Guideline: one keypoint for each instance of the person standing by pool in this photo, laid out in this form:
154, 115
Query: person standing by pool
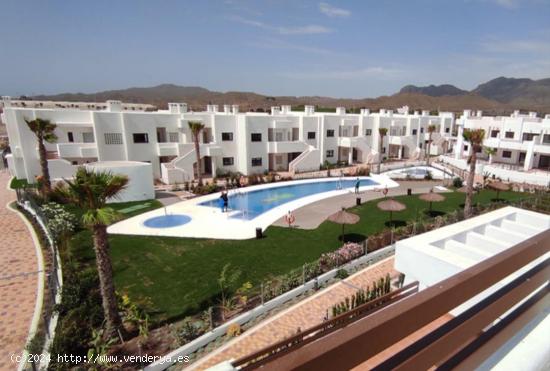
225, 201
357, 186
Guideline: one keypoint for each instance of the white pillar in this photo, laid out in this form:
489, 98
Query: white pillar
459, 142
529, 156
350, 156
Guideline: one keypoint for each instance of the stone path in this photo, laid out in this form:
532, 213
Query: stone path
303, 315
18, 279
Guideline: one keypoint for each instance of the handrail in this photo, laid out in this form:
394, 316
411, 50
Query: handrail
289, 344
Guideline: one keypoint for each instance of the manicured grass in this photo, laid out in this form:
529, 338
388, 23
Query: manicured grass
20, 183
178, 276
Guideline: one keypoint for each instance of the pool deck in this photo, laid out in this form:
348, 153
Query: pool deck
312, 215
210, 222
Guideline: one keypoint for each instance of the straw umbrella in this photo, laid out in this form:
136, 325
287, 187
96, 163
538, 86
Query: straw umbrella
432, 197
391, 205
499, 186
343, 217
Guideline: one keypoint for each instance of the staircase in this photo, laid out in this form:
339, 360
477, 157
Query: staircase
180, 169
308, 160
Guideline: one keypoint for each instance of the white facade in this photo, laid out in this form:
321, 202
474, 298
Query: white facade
247, 142
521, 141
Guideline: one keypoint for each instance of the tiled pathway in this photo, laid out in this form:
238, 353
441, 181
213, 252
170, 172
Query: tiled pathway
18, 279
305, 314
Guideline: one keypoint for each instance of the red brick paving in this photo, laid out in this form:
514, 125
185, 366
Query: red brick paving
305, 314
18, 292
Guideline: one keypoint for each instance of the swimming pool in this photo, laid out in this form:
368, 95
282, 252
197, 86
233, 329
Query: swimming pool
167, 221
250, 205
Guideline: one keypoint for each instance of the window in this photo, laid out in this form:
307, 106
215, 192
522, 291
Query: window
528, 136
141, 138
228, 137
420, 145
383, 149
330, 153
421, 130
113, 138
494, 133
506, 154
278, 160
415, 131
447, 130
70, 137
228, 161
174, 137
546, 138
310, 135
256, 161
330, 133
466, 148
256, 137
368, 132
88, 137
509, 135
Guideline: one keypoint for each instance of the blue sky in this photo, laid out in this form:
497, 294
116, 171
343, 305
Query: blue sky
357, 48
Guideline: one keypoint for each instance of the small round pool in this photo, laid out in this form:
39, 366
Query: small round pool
167, 221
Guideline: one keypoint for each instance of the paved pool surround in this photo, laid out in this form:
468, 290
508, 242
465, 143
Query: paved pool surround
211, 222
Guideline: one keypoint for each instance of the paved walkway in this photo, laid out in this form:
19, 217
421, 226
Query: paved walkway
303, 315
310, 216
18, 279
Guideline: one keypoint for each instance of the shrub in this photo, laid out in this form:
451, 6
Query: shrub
457, 182
342, 274
189, 330
344, 254
233, 330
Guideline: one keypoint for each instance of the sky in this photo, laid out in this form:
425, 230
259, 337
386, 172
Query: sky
355, 49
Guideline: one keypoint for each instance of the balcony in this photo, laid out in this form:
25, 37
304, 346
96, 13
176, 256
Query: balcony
286, 146
77, 150
167, 149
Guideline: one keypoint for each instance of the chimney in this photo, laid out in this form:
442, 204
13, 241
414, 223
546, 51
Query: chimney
533, 114
177, 107
382, 111
425, 112
479, 113
309, 110
114, 106
215, 108
285, 110
340, 110
275, 110
227, 108
516, 113
467, 113
6, 101
365, 111
235, 108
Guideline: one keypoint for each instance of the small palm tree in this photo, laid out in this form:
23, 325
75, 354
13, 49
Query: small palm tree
196, 128
44, 131
475, 138
431, 130
89, 191
490, 152
382, 132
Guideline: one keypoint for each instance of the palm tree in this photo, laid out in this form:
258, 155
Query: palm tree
490, 152
90, 191
475, 138
431, 129
196, 128
382, 132
44, 131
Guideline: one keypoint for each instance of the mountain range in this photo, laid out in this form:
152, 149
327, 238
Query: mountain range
497, 96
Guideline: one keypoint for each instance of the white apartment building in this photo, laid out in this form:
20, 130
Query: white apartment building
245, 142
522, 141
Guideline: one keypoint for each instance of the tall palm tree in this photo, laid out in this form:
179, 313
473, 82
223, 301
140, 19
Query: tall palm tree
90, 191
475, 138
431, 130
382, 132
44, 131
196, 128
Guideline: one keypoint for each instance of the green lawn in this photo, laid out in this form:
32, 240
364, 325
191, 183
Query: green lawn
20, 183
178, 276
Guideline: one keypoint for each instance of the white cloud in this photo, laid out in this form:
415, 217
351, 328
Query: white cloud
377, 72
283, 30
332, 11
516, 46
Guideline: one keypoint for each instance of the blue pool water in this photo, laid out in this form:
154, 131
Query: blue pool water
252, 204
167, 221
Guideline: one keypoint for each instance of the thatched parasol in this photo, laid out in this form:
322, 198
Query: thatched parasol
343, 217
391, 205
499, 186
432, 197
